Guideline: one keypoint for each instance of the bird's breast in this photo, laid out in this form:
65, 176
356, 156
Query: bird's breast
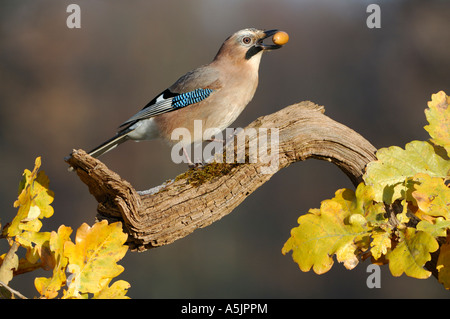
217, 112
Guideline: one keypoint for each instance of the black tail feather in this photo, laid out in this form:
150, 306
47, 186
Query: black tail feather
108, 145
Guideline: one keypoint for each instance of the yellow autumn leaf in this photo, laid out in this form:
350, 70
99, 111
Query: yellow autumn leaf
36, 244
443, 265
117, 290
33, 201
33, 213
42, 196
381, 243
93, 257
24, 204
10, 262
438, 116
411, 254
322, 233
49, 287
432, 195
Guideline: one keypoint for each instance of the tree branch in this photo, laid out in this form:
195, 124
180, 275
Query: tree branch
204, 195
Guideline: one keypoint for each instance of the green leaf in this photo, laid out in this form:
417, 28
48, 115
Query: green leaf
411, 254
389, 174
437, 228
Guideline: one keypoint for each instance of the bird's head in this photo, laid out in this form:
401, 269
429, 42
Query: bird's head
247, 44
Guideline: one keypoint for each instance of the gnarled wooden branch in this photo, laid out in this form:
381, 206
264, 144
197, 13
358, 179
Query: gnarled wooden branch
200, 197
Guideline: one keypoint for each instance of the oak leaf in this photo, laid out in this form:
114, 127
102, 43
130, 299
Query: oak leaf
117, 290
443, 265
33, 201
93, 256
411, 254
9, 263
389, 174
49, 287
432, 195
327, 231
436, 228
438, 116
381, 243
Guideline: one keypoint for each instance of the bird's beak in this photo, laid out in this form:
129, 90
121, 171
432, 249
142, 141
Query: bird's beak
267, 47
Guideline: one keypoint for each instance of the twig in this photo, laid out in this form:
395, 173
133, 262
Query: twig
14, 292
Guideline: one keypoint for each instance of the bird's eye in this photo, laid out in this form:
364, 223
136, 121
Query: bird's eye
246, 40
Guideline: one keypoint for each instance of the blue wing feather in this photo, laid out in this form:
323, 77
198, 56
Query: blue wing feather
185, 99
168, 102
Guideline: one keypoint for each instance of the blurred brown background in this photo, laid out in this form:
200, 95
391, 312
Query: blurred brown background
66, 88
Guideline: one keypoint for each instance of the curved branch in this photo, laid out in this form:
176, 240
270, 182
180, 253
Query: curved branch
202, 196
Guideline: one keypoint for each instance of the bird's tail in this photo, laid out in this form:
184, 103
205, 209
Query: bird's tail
109, 144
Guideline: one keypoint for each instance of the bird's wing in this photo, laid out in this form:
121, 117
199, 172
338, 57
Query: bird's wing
193, 87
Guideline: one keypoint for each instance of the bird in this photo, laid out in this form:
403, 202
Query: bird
215, 93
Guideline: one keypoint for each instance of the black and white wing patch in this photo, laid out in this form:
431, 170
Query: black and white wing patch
168, 102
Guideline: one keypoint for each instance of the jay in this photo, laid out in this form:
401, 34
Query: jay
215, 93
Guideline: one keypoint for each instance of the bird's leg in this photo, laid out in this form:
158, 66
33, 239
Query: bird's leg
188, 159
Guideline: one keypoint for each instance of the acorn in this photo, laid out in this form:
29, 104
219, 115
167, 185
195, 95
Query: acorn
280, 38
